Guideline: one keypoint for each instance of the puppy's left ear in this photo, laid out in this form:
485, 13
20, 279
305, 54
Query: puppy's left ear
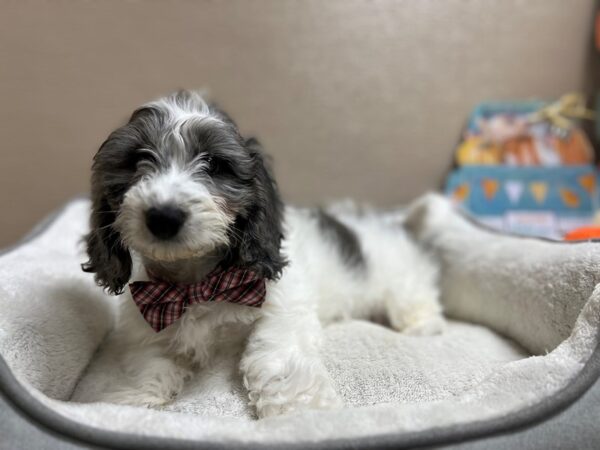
262, 230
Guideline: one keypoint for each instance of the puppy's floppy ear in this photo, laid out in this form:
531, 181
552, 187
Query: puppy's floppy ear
262, 230
108, 259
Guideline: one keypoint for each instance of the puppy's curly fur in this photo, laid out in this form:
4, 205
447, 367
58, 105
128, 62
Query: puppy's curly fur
340, 263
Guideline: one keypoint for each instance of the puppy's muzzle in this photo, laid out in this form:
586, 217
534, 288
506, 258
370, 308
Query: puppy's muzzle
165, 221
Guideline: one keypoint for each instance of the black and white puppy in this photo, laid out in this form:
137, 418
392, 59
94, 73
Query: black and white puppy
177, 192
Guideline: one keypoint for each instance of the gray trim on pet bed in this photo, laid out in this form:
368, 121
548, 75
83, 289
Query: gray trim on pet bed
45, 418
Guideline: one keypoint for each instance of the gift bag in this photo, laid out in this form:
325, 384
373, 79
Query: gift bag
527, 167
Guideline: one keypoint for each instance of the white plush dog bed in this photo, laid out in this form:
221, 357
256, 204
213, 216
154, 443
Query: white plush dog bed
508, 297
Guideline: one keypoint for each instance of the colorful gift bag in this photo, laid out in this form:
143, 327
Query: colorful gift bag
528, 200
527, 167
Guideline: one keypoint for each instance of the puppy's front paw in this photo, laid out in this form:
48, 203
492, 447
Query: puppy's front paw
133, 397
282, 396
286, 386
155, 384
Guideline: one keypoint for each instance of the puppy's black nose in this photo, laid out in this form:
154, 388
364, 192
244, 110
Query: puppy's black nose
165, 221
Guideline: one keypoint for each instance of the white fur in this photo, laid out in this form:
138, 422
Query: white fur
205, 229
281, 366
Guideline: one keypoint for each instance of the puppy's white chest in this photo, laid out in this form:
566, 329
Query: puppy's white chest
205, 328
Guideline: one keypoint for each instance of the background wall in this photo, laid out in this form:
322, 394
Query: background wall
360, 98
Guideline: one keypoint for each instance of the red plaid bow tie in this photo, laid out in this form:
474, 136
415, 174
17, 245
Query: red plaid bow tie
162, 303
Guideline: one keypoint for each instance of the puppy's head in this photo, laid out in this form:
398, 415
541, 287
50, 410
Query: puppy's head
179, 181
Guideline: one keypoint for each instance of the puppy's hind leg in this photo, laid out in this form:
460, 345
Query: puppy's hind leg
413, 302
419, 316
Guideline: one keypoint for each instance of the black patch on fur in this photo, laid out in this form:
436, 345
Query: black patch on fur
345, 238
258, 230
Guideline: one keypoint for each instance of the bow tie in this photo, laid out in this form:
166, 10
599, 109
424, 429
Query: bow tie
162, 303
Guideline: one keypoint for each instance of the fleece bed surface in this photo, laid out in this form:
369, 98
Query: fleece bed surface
510, 298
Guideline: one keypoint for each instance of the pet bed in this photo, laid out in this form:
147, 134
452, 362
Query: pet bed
520, 348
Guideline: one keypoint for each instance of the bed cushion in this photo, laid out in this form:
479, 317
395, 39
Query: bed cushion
524, 323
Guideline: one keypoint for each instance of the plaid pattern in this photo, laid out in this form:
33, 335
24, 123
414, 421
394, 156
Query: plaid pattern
162, 303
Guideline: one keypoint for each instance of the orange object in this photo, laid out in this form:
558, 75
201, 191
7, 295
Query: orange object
588, 182
583, 234
570, 198
490, 187
461, 192
521, 151
574, 149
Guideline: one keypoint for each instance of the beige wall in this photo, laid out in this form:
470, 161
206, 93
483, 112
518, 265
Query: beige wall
361, 98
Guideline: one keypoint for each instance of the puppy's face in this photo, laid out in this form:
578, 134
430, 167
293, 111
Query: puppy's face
179, 181
191, 175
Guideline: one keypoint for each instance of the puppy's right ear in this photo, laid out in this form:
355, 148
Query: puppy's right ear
112, 172
108, 258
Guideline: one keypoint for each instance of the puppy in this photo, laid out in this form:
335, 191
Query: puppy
181, 202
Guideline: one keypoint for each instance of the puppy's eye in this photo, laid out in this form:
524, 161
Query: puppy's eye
130, 159
143, 156
218, 166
